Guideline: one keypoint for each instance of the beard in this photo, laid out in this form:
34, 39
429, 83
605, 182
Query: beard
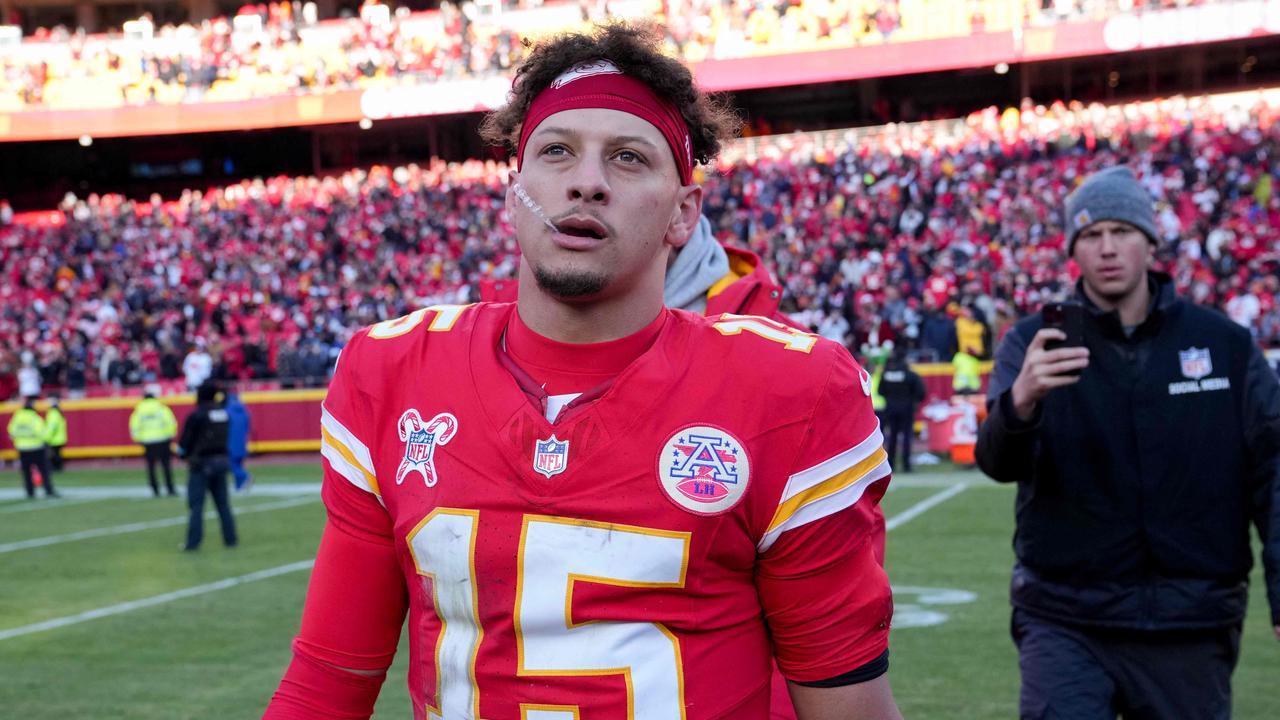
570, 284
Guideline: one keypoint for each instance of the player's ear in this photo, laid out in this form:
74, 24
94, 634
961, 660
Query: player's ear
685, 216
510, 198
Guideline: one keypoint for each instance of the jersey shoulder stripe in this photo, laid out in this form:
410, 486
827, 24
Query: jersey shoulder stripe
828, 487
348, 456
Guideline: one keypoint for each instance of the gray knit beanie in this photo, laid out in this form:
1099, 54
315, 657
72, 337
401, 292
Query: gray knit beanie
1111, 194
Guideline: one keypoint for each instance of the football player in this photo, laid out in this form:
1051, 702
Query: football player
589, 505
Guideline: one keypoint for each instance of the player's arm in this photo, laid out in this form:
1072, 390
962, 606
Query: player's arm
350, 626
357, 599
870, 700
825, 596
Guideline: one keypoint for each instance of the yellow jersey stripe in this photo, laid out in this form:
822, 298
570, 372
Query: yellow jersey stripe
332, 443
830, 486
823, 507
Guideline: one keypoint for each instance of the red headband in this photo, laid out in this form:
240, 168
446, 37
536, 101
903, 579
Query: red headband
601, 84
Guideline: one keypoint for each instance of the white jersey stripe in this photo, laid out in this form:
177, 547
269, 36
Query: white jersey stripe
826, 505
827, 469
359, 451
338, 461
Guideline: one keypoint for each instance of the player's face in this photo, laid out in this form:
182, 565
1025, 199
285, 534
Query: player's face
1113, 259
608, 182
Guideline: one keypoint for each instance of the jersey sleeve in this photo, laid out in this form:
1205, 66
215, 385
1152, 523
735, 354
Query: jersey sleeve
825, 594
350, 490
356, 600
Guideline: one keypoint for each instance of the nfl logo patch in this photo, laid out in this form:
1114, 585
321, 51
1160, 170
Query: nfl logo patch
1083, 219
420, 442
1196, 362
704, 470
550, 456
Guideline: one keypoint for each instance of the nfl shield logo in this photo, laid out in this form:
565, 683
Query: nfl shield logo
1196, 362
419, 447
551, 456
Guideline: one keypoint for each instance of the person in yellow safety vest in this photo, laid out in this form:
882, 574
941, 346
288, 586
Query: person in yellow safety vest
877, 400
153, 425
56, 432
27, 431
966, 378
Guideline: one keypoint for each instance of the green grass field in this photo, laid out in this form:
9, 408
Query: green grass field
101, 616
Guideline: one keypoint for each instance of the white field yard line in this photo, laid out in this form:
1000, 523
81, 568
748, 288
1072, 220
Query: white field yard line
104, 492
923, 506
43, 505
140, 526
154, 600
896, 521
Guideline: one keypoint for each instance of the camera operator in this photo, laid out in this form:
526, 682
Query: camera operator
1137, 480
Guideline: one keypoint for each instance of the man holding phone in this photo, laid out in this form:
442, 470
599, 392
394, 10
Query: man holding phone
1144, 434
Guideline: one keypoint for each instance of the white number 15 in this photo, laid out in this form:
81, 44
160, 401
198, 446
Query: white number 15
555, 553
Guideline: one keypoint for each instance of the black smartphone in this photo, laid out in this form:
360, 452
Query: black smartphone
1067, 317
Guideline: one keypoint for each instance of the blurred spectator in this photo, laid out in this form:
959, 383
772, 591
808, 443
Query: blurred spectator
29, 382
55, 424
197, 366
238, 429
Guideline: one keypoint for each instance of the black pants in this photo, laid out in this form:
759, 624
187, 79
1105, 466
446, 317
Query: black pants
55, 457
899, 422
1097, 673
159, 454
36, 459
209, 473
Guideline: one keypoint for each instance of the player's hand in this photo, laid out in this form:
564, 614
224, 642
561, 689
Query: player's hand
1277, 629
1045, 370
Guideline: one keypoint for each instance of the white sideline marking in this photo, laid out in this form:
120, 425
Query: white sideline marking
132, 605
143, 491
923, 506
139, 526
44, 505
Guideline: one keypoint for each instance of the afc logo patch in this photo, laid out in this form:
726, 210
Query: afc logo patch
550, 456
421, 440
704, 469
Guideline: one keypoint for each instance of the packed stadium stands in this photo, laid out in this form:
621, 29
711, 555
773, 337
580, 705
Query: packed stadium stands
896, 232
282, 48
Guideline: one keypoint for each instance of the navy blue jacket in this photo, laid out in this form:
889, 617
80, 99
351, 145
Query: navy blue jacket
1137, 485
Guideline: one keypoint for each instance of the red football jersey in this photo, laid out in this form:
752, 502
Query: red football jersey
635, 559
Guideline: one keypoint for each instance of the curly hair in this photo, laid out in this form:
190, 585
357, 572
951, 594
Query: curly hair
635, 50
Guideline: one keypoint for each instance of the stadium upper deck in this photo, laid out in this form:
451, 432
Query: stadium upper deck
273, 66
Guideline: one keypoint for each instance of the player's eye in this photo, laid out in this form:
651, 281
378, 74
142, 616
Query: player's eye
629, 157
555, 150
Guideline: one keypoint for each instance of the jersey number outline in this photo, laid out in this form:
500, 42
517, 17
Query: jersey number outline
555, 553
443, 321
789, 337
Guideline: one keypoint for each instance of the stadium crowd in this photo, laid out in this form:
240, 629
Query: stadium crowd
936, 236
288, 51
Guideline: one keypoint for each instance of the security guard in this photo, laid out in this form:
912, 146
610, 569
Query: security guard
204, 445
27, 431
56, 427
153, 425
902, 391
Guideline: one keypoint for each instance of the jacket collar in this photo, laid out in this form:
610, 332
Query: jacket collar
1163, 300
